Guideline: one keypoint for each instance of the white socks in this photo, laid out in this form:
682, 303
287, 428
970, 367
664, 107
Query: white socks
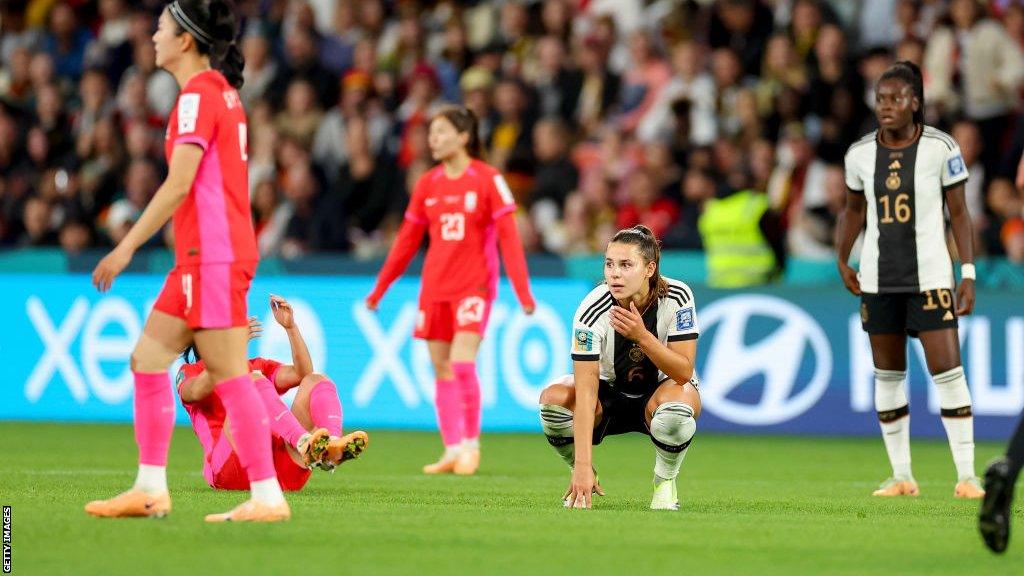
470, 444
957, 418
672, 428
267, 491
557, 424
151, 479
894, 419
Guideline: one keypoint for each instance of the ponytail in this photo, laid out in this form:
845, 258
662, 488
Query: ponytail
650, 249
213, 26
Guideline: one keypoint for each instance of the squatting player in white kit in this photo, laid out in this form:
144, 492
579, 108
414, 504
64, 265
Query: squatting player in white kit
634, 347
900, 177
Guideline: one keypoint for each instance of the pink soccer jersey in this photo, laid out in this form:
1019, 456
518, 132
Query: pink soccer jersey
214, 224
460, 215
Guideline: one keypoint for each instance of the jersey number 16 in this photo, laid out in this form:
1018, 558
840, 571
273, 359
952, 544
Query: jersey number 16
900, 208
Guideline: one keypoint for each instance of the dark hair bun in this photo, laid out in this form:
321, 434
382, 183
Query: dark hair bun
644, 230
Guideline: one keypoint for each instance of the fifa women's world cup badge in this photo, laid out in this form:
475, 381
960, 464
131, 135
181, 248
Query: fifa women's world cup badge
583, 341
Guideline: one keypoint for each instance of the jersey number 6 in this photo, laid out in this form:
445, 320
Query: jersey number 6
453, 226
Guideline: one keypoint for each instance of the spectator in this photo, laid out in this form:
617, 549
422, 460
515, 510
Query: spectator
66, 41
260, 71
39, 228
301, 115
646, 205
330, 143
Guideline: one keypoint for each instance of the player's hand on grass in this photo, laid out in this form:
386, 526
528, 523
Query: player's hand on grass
628, 322
282, 312
255, 328
849, 276
965, 297
582, 487
110, 267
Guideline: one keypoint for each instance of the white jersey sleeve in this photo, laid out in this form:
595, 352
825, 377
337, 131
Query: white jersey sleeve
590, 324
681, 312
954, 170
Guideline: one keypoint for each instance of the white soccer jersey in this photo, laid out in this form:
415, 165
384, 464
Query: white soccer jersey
624, 366
905, 241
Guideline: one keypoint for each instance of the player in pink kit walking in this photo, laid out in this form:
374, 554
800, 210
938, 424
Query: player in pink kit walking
305, 436
203, 301
467, 209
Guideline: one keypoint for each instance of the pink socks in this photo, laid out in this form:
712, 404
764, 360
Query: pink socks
154, 417
282, 422
250, 429
469, 396
449, 418
325, 407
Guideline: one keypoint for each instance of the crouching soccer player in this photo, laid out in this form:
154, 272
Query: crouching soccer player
307, 435
634, 345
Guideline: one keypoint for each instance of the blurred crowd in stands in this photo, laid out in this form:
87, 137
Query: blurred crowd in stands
601, 113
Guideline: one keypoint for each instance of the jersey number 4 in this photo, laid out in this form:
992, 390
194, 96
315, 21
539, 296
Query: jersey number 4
453, 226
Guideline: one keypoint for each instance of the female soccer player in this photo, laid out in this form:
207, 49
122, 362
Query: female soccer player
634, 347
467, 208
899, 178
203, 300
307, 435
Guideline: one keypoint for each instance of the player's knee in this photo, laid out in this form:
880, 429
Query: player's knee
954, 395
443, 369
149, 355
673, 426
312, 379
557, 394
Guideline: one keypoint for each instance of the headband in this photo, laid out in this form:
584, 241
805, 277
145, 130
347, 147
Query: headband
181, 18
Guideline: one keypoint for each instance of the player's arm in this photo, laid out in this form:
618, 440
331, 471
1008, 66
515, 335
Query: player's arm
586, 374
676, 359
963, 235
196, 389
290, 375
515, 260
851, 222
410, 236
185, 160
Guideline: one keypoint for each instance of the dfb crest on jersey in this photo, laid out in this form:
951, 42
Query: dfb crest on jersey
583, 341
470, 201
956, 165
684, 319
188, 113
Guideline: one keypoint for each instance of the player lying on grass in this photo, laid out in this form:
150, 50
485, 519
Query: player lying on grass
305, 436
634, 346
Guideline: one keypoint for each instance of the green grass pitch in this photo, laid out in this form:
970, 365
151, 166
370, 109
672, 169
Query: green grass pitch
750, 505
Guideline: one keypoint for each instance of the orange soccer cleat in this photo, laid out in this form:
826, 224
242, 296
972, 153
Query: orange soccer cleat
313, 447
131, 504
897, 487
252, 511
341, 450
467, 463
969, 489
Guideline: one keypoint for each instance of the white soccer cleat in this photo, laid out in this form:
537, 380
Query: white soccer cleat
665, 496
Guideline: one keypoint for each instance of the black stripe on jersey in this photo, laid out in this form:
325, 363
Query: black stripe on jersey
675, 298
601, 302
586, 357
596, 315
867, 139
635, 373
936, 133
680, 291
897, 241
934, 137
683, 337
